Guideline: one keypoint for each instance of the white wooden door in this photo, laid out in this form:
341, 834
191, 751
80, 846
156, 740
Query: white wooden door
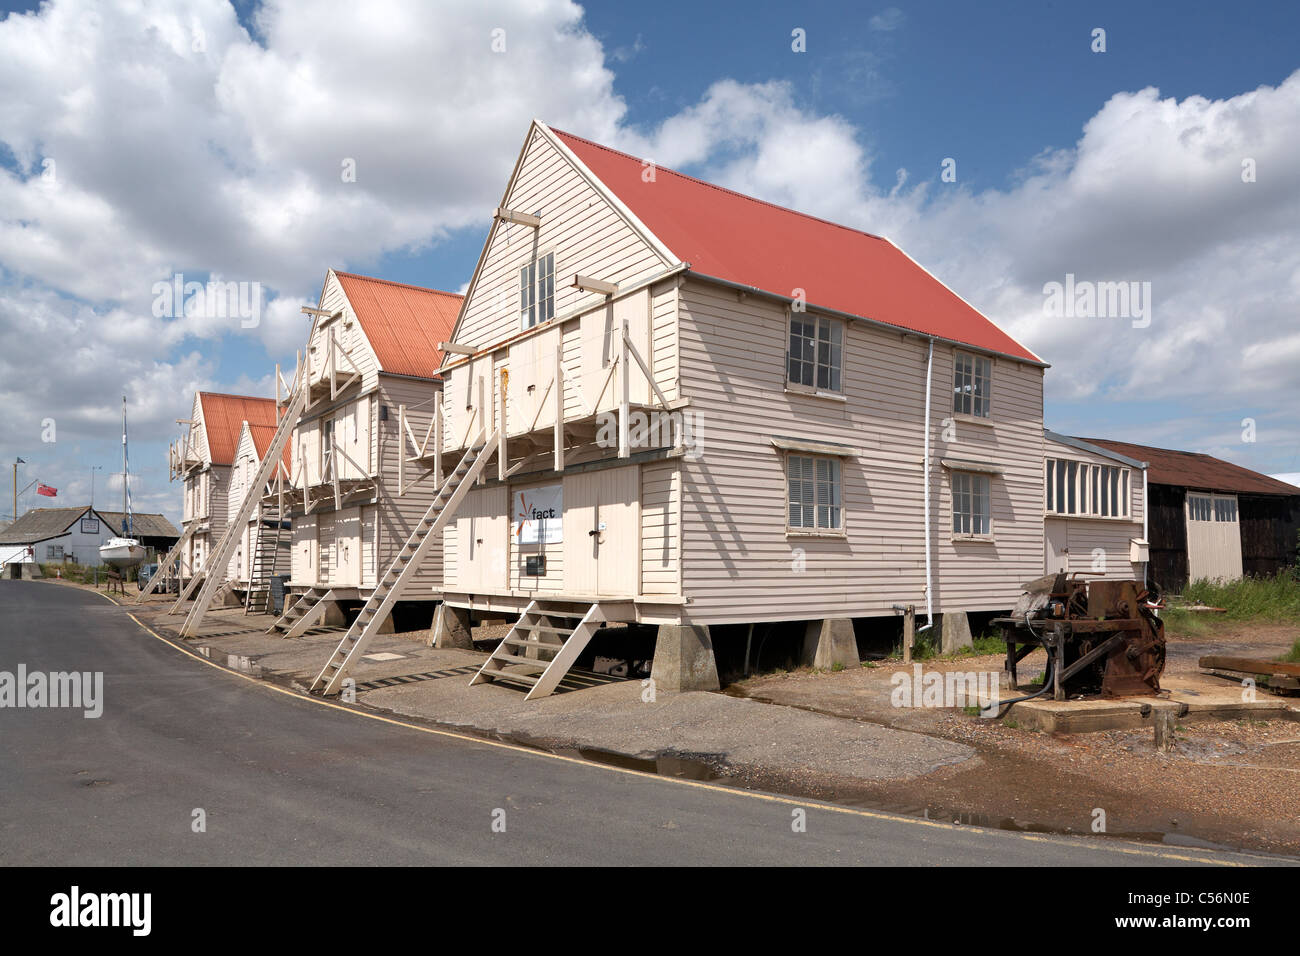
347, 548
306, 561
481, 540
602, 541
1058, 546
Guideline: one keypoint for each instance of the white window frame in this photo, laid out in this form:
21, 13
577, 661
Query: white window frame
537, 290
1208, 507
1081, 489
327, 430
820, 361
973, 480
825, 470
970, 371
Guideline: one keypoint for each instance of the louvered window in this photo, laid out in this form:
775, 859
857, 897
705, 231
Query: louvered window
815, 496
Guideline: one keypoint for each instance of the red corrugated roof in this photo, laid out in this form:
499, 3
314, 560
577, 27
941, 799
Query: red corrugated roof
224, 416
730, 236
1191, 469
262, 435
404, 323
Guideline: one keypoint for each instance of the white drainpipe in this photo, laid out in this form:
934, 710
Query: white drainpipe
929, 608
1146, 510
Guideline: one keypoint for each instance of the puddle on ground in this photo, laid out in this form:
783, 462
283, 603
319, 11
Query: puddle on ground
664, 765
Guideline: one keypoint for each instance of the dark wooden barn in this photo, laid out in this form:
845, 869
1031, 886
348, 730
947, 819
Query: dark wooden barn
1211, 518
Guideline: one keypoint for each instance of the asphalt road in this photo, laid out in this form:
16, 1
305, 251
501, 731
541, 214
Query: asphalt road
283, 780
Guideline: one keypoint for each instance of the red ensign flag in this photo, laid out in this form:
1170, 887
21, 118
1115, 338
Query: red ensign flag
47, 491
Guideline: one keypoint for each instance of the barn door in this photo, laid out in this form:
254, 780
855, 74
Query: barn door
1213, 537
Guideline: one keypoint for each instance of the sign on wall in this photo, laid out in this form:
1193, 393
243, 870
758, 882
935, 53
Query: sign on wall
90, 526
539, 515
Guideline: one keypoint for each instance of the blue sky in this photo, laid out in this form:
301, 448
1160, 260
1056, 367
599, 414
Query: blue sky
1013, 92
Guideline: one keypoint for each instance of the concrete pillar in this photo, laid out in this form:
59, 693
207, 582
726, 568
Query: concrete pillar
386, 626
684, 659
829, 642
333, 616
451, 627
954, 632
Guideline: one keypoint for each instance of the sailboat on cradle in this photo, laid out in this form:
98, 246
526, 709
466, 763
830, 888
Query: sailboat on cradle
124, 551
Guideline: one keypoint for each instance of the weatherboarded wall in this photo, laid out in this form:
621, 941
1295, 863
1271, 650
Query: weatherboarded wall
740, 563
584, 231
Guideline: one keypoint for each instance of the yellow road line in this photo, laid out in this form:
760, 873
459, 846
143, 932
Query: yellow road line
1125, 848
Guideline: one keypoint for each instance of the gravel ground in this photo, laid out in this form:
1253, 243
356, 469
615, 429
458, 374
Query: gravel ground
1232, 783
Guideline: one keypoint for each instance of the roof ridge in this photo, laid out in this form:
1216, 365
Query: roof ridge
255, 398
1172, 451
403, 285
723, 189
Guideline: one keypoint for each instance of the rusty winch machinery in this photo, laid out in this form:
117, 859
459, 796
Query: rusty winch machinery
1101, 637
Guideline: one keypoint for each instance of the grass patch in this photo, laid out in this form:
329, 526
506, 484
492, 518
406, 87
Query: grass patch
1265, 600
81, 573
924, 649
1293, 656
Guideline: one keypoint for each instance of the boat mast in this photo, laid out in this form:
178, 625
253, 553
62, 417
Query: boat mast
126, 496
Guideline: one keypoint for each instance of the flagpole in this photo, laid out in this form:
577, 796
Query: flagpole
17, 462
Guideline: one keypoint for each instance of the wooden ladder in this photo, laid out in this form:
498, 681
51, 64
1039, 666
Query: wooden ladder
519, 657
428, 531
266, 557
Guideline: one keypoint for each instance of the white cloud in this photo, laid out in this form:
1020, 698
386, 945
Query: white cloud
178, 143
891, 18
1152, 192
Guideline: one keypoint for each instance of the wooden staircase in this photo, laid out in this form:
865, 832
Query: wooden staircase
164, 566
266, 557
539, 650
196, 580
300, 614
427, 533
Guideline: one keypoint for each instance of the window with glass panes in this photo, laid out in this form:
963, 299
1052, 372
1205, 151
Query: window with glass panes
970, 503
816, 358
537, 291
326, 442
815, 496
1225, 509
972, 380
1079, 488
